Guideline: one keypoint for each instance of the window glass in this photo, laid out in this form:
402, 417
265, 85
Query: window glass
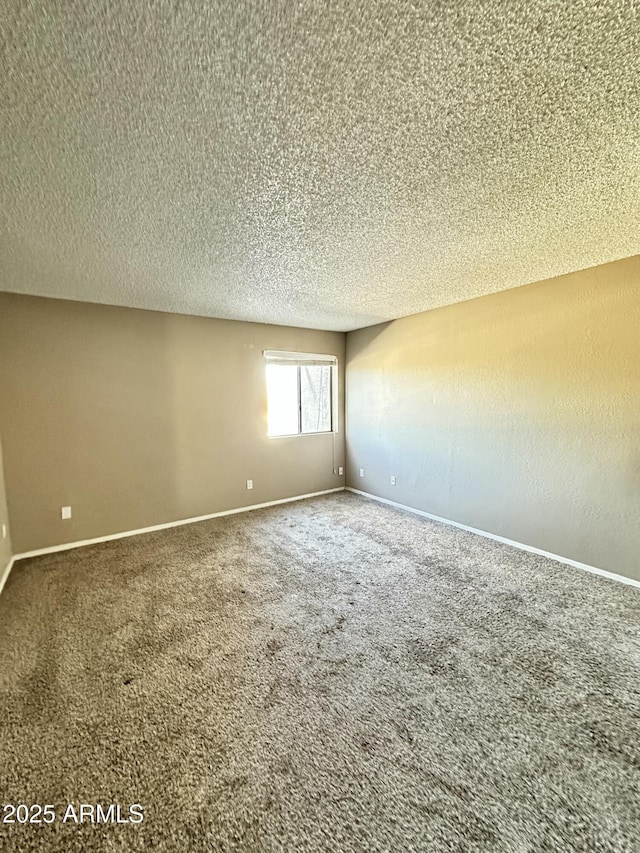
282, 397
315, 398
299, 395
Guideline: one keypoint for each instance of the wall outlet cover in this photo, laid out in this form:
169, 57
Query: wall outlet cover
249, 484
362, 472
341, 471
66, 512
393, 479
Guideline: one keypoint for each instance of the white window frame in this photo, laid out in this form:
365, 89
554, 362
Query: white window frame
306, 359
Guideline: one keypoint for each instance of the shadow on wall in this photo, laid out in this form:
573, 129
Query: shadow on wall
5, 533
514, 413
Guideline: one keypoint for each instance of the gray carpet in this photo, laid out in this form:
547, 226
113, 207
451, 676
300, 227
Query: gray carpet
328, 675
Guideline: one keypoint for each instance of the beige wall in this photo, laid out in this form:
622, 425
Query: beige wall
135, 418
517, 413
5, 542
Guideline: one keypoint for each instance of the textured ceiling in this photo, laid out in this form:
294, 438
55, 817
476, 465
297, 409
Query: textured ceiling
324, 164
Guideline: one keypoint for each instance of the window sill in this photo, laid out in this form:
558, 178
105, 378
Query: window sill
302, 434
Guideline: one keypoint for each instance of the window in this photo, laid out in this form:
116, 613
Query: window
299, 392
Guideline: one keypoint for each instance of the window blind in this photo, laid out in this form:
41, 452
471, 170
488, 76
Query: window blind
302, 358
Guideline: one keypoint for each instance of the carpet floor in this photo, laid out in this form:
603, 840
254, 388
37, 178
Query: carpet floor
327, 675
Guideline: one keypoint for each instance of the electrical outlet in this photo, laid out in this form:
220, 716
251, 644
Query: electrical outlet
393, 479
340, 471
249, 484
66, 512
4, 531
362, 472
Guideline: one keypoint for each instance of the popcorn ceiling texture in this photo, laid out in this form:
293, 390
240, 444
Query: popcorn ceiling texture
317, 164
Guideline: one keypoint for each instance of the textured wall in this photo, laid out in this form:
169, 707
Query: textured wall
5, 544
517, 413
136, 418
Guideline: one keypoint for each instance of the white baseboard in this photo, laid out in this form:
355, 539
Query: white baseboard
565, 560
69, 545
5, 573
